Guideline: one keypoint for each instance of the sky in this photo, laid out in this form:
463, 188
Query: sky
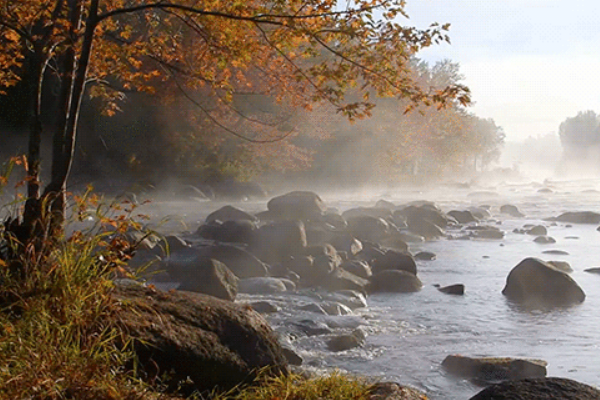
530, 64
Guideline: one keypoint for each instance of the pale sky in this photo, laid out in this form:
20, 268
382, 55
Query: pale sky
530, 64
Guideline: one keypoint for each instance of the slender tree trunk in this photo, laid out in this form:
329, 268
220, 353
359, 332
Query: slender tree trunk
71, 96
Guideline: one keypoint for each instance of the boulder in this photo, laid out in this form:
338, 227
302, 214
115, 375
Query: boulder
211, 277
336, 308
579, 217
425, 256
493, 369
232, 231
539, 389
279, 240
394, 260
346, 342
229, 213
301, 205
193, 340
563, 266
265, 285
462, 217
347, 243
485, 232
341, 279
536, 283
357, 267
556, 252
425, 228
458, 289
593, 270
368, 228
544, 239
264, 307
511, 210
394, 281
427, 211
395, 240
375, 212
241, 262
350, 298
537, 230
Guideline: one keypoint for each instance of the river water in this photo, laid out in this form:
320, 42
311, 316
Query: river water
409, 335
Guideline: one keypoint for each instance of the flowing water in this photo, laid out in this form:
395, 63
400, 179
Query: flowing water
409, 335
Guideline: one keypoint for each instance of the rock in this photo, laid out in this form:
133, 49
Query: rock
511, 210
556, 252
241, 262
539, 389
462, 217
346, 342
579, 217
544, 240
537, 230
347, 243
425, 256
310, 328
280, 240
314, 308
336, 308
265, 285
291, 356
194, 340
264, 307
394, 281
424, 212
394, 391
492, 369
425, 228
545, 190
593, 270
458, 289
481, 212
350, 298
213, 278
341, 279
561, 266
376, 212
229, 213
394, 260
536, 283
232, 231
357, 267
301, 205
410, 237
368, 228
395, 241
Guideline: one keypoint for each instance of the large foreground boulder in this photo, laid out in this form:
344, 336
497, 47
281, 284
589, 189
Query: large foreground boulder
197, 341
539, 389
536, 283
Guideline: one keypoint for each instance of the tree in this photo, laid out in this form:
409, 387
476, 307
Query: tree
221, 46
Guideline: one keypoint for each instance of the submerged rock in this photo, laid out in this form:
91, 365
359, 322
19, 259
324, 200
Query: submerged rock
536, 283
492, 369
539, 389
458, 289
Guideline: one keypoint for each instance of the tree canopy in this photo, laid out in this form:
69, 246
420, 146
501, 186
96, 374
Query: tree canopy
298, 51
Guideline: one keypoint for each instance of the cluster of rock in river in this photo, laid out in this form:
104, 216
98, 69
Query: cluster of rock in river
300, 243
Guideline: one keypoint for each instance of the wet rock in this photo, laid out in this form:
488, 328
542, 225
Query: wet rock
593, 270
347, 243
394, 281
314, 308
233, 231
394, 391
462, 217
561, 266
346, 342
265, 285
394, 260
536, 283
458, 289
425, 256
480, 212
336, 308
544, 240
197, 339
292, 357
301, 205
425, 228
556, 252
511, 210
279, 240
241, 262
357, 267
311, 328
229, 213
264, 307
539, 389
537, 230
350, 298
340, 279
579, 217
410, 237
213, 278
368, 228
492, 369
485, 232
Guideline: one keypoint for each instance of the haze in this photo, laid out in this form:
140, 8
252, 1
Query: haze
530, 64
